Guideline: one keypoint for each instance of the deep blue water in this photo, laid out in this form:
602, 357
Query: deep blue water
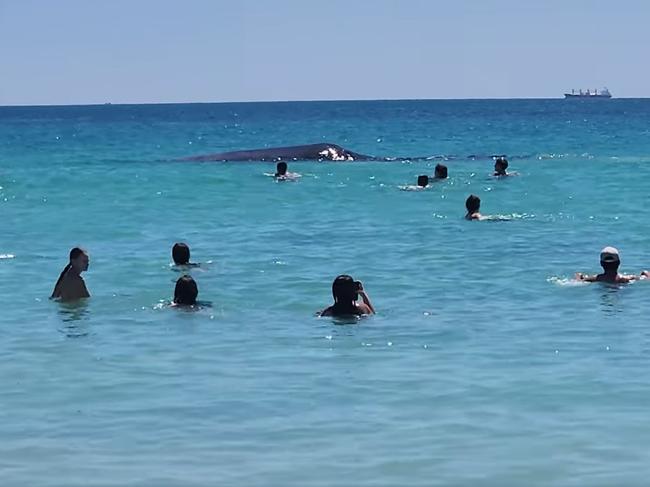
485, 365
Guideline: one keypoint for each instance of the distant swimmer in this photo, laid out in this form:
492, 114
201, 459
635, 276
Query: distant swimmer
610, 260
501, 166
346, 291
181, 255
185, 292
282, 174
70, 286
440, 172
422, 183
473, 206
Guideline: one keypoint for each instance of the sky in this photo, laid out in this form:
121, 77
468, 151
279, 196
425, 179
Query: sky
145, 51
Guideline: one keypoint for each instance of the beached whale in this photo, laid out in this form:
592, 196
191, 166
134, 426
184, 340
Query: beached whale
311, 152
321, 152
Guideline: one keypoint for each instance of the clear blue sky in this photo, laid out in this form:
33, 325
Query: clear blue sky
85, 51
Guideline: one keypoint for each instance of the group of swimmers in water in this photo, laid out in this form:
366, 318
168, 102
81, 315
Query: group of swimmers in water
350, 297
71, 287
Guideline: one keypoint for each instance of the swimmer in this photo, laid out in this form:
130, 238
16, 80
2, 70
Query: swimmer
423, 183
440, 172
181, 255
501, 166
185, 292
281, 173
610, 260
70, 286
473, 206
346, 291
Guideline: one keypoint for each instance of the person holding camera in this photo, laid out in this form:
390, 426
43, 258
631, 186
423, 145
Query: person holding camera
346, 292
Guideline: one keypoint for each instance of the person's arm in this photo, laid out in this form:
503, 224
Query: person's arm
629, 277
583, 277
84, 290
56, 293
366, 299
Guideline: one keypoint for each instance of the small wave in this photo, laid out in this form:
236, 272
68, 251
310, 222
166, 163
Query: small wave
168, 304
514, 216
7, 256
544, 157
412, 187
566, 282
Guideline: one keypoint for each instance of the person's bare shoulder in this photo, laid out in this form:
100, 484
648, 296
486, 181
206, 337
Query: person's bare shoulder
626, 278
326, 312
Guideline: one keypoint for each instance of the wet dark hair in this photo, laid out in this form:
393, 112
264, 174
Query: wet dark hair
186, 291
181, 253
441, 171
74, 253
472, 203
610, 266
423, 180
281, 168
344, 289
502, 161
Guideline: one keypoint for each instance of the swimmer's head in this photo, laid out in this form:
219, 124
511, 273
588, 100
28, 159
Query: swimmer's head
610, 259
281, 168
186, 291
440, 171
79, 259
181, 253
344, 289
423, 181
473, 204
500, 165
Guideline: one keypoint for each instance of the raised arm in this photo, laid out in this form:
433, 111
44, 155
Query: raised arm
366, 299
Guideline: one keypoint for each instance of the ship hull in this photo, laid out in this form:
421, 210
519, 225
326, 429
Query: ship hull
570, 95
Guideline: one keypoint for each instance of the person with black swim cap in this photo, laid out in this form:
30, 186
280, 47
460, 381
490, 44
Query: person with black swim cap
346, 291
281, 169
501, 166
473, 206
440, 172
185, 292
422, 183
70, 286
282, 174
181, 255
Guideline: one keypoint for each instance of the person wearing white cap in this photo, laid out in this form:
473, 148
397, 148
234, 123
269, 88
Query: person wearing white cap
610, 260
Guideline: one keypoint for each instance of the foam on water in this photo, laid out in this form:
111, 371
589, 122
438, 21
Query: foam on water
479, 368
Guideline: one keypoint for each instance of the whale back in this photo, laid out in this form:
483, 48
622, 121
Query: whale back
324, 151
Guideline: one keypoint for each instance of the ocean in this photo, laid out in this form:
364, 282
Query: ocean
486, 364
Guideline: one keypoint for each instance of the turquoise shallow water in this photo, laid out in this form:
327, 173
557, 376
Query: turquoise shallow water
484, 366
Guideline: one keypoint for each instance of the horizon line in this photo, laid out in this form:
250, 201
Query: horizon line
348, 100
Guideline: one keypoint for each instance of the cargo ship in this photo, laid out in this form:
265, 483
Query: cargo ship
604, 93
